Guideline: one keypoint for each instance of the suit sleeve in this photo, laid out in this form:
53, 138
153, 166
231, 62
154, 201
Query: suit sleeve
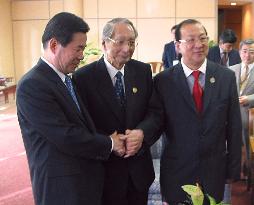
46, 118
153, 123
234, 132
251, 100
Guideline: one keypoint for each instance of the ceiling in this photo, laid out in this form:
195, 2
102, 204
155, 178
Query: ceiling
238, 2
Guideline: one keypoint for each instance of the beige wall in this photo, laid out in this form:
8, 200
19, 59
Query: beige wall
153, 19
248, 21
6, 51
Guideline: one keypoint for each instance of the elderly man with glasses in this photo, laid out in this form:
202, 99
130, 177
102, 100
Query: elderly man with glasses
116, 90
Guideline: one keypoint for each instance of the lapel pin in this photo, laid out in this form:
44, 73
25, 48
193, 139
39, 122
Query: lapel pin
212, 80
134, 90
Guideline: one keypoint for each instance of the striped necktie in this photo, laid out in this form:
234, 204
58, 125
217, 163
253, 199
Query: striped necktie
71, 90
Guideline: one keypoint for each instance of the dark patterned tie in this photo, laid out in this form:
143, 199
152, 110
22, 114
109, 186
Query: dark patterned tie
119, 88
224, 59
197, 92
71, 90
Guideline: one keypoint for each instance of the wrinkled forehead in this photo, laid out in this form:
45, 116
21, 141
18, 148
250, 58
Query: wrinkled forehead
123, 29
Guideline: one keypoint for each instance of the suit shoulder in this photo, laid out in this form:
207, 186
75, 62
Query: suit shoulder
235, 67
220, 69
213, 49
138, 64
85, 71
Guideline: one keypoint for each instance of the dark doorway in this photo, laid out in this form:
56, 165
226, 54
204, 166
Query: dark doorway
230, 18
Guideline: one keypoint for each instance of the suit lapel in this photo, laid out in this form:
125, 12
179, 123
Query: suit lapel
183, 87
210, 81
129, 82
106, 89
52, 75
250, 81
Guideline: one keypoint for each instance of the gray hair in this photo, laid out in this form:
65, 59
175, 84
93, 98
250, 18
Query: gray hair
246, 42
110, 26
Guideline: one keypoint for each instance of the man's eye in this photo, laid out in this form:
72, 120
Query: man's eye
192, 40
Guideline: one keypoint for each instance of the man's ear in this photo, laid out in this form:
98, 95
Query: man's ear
53, 44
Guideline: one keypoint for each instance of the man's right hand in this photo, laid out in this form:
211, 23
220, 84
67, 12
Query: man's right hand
119, 144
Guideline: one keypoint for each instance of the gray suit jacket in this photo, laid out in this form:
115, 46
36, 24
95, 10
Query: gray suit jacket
204, 149
248, 91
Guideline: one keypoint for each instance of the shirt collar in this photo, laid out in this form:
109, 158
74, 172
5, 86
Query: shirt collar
60, 74
187, 71
112, 70
250, 65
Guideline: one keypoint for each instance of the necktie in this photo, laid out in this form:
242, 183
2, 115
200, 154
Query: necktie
244, 77
197, 92
245, 73
119, 88
71, 90
224, 59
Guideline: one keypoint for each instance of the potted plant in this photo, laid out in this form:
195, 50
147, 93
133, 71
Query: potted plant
196, 195
91, 53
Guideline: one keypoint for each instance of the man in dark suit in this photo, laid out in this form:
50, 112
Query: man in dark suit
120, 103
170, 57
64, 152
196, 104
224, 53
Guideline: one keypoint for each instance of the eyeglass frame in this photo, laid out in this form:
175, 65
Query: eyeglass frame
192, 41
120, 43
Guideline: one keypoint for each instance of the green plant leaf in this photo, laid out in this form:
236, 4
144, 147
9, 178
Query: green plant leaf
195, 192
212, 200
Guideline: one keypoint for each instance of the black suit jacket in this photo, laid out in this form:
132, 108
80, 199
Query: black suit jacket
214, 55
64, 152
204, 149
96, 89
169, 55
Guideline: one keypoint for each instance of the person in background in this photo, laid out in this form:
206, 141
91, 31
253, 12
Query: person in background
196, 104
170, 55
117, 90
64, 151
224, 53
244, 73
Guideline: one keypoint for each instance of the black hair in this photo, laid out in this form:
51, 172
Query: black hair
173, 27
228, 36
185, 22
62, 27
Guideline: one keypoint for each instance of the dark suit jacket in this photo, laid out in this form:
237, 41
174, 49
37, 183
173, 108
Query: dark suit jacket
96, 89
64, 152
196, 146
214, 55
169, 55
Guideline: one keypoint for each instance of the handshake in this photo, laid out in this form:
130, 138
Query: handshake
128, 144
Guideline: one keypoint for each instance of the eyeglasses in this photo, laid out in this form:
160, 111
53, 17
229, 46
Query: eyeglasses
192, 41
121, 43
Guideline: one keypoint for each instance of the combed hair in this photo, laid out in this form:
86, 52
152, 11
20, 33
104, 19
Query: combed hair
228, 36
185, 22
62, 27
246, 42
110, 26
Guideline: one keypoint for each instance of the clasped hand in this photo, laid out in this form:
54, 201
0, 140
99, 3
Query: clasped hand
128, 144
